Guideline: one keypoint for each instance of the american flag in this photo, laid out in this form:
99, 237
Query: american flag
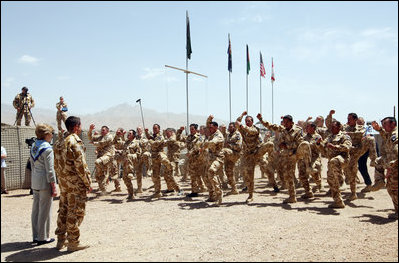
262, 67
272, 77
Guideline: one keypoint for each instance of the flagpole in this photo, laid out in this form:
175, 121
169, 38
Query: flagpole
272, 105
187, 92
260, 93
247, 94
272, 91
230, 93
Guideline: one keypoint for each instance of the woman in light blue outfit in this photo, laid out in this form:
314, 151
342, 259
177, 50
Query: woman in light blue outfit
43, 183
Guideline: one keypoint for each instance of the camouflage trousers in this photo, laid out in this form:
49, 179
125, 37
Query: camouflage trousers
174, 161
61, 116
351, 169
231, 158
392, 187
263, 163
212, 170
25, 114
130, 165
195, 169
273, 166
336, 165
106, 164
315, 172
72, 206
145, 163
380, 164
162, 159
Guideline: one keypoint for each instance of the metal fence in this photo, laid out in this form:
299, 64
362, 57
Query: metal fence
13, 140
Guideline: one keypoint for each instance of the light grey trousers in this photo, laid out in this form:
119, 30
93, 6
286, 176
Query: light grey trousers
41, 213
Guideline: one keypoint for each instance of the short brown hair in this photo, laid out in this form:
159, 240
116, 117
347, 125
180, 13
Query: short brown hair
42, 130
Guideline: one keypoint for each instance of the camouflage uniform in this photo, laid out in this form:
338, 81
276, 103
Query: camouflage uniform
296, 150
24, 103
173, 147
59, 163
273, 161
119, 142
338, 159
315, 165
360, 145
105, 159
233, 145
77, 177
62, 108
215, 160
145, 157
389, 160
131, 152
194, 166
158, 158
252, 150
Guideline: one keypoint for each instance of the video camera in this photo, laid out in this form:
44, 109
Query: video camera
30, 141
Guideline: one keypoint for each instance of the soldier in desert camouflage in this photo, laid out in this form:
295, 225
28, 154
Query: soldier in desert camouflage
388, 160
336, 147
78, 184
62, 109
23, 102
105, 157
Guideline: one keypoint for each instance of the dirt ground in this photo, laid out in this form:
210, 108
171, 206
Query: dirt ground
174, 228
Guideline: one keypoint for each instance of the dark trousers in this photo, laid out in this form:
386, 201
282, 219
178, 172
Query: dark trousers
362, 165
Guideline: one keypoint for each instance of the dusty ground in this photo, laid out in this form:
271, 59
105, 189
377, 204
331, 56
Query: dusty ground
176, 229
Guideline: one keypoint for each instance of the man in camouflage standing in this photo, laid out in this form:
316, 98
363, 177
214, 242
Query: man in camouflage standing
214, 143
145, 157
62, 109
360, 145
252, 150
23, 102
336, 148
293, 148
232, 150
105, 157
130, 154
158, 158
77, 178
193, 167
59, 164
119, 140
315, 166
388, 160
173, 148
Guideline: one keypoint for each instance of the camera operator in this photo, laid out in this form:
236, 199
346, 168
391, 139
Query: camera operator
23, 102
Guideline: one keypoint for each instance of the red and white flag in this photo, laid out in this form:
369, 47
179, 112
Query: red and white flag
262, 67
272, 77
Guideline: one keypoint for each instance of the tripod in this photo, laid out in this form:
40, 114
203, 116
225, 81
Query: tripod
22, 111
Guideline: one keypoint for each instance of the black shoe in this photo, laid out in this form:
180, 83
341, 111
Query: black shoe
35, 241
31, 192
169, 191
45, 241
275, 189
192, 195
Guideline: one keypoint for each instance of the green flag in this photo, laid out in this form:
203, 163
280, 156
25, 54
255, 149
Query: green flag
248, 65
188, 43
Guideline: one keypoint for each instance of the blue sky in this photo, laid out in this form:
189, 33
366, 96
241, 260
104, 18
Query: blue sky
327, 55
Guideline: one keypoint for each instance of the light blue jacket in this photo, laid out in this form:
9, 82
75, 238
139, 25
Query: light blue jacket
43, 170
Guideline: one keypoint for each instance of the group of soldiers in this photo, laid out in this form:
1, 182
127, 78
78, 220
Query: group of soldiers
215, 152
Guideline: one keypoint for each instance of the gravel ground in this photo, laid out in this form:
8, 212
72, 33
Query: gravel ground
174, 228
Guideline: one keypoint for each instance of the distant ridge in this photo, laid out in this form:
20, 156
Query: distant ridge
122, 115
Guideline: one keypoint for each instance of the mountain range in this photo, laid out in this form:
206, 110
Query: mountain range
122, 115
